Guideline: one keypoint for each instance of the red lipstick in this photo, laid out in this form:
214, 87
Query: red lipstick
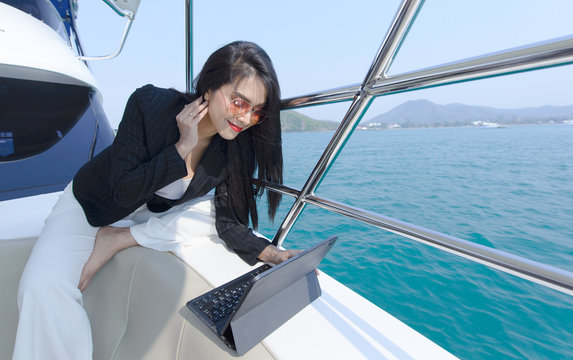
234, 127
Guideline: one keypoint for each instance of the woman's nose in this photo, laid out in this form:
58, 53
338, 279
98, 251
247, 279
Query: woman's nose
245, 119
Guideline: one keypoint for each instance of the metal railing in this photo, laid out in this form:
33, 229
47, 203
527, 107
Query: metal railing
376, 83
188, 45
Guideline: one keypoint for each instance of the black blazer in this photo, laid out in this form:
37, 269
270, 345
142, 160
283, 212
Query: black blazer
143, 159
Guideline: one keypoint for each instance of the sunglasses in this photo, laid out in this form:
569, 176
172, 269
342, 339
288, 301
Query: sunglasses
239, 106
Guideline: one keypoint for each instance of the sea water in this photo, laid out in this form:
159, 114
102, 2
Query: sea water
507, 188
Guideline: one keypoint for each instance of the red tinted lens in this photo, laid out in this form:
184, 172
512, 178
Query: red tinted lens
256, 115
239, 106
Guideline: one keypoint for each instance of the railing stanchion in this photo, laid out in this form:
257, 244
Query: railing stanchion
394, 37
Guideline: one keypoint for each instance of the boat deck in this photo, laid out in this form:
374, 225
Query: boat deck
136, 304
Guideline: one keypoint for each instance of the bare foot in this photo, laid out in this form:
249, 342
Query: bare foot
109, 240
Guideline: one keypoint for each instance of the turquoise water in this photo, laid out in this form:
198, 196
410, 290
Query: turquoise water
509, 188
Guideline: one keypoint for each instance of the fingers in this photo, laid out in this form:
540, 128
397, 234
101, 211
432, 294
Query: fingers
293, 252
85, 278
187, 121
194, 111
284, 255
275, 255
202, 112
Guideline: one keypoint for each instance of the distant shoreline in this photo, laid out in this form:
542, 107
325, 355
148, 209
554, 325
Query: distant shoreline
416, 114
431, 127
501, 126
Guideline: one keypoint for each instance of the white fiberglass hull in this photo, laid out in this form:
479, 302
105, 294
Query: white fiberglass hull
31, 50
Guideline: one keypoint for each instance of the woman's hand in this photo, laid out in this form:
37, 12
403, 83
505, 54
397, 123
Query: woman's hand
275, 255
187, 121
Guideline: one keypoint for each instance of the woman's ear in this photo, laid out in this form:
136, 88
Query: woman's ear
207, 95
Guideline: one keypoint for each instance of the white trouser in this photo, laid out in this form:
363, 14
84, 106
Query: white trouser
53, 323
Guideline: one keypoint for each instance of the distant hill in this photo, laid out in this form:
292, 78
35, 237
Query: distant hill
294, 121
424, 113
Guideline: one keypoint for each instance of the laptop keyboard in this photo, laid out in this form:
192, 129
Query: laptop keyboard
218, 303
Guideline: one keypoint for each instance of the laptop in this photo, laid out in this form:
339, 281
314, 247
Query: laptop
245, 310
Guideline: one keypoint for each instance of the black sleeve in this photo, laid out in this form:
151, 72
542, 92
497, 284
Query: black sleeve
139, 164
236, 235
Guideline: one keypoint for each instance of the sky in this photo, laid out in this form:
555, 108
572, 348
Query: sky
321, 45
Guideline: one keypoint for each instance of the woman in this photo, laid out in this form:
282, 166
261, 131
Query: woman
171, 149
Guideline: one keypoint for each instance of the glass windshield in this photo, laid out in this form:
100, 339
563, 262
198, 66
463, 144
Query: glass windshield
36, 115
42, 10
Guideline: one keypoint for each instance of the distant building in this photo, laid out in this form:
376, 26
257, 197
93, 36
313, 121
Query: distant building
486, 124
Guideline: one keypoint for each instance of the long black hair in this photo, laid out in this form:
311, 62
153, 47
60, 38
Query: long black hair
259, 148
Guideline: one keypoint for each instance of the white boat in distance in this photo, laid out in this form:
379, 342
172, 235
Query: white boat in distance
136, 303
486, 124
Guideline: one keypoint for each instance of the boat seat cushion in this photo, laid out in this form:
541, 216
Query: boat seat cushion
136, 304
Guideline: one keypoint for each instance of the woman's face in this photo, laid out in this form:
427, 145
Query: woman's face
227, 123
